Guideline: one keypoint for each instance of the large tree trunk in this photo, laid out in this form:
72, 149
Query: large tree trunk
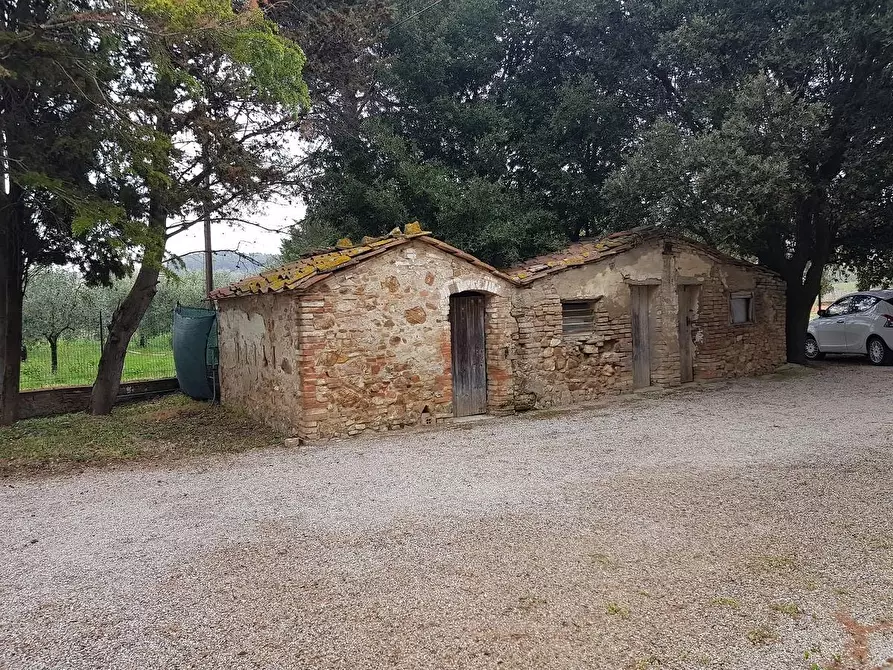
127, 318
132, 309
12, 369
801, 293
799, 307
7, 412
11, 289
10, 336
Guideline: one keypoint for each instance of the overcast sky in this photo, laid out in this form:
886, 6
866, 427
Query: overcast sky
247, 239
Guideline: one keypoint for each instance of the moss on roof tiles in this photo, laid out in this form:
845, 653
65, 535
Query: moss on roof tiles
294, 276
316, 267
579, 253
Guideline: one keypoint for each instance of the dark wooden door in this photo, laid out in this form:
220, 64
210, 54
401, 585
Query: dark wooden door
469, 354
641, 327
686, 348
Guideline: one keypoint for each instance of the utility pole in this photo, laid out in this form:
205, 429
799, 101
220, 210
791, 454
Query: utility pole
209, 255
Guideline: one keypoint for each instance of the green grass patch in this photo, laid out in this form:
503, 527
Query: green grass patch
168, 428
791, 609
731, 603
777, 563
78, 360
615, 609
603, 560
761, 635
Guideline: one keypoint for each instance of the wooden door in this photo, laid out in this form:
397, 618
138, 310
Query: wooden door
687, 297
469, 354
641, 332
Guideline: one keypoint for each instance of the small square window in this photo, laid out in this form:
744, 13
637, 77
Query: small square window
577, 317
741, 307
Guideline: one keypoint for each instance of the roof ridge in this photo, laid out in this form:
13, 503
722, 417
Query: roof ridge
310, 268
589, 251
595, 249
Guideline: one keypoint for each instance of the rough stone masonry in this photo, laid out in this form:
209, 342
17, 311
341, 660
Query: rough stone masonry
359, 338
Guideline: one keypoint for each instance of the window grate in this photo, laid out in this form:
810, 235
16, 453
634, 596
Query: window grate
577, 317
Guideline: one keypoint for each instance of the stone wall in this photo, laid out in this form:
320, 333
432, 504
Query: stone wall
375, 342
368, 348
66, 399
259, 357
552, 368
557, 369
724, 349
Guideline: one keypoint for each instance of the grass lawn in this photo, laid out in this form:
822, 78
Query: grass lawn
171, 427
78, 360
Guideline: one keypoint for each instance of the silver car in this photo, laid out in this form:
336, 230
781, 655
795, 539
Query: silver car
859, 323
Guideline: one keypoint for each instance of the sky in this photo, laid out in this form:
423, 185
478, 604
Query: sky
247, 239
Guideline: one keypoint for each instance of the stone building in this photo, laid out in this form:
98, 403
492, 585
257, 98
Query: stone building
406, 329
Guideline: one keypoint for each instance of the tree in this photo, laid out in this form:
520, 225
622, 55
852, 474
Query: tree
776, 145
219, 102
418, 134
101, 157
53, 305
494, 122
53, 185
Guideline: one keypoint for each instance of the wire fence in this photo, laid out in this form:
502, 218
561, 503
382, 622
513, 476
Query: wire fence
74, 359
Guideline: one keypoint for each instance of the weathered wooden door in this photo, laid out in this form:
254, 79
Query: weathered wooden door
687, 297
469, 354
641, 332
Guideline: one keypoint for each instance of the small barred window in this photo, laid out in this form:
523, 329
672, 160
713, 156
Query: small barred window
578, 317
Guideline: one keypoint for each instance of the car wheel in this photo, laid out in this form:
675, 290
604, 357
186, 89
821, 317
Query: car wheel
812, 349
878, 352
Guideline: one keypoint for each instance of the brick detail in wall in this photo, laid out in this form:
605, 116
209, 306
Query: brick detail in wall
375, 344
725, 350
369, 348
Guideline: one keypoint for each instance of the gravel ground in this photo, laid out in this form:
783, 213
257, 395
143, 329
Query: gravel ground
739, 525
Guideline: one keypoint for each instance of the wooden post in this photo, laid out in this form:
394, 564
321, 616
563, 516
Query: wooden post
209, 255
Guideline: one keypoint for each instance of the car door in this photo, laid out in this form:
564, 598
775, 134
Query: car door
830, 329
860, 322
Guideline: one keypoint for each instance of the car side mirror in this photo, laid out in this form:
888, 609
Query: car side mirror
822, 312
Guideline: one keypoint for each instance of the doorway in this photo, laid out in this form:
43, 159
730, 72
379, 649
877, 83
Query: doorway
469, 353
640, 307
688, 299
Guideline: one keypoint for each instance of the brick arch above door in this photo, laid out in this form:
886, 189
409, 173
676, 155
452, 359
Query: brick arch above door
479, 284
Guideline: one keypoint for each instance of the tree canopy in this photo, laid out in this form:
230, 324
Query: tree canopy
781, 149
153, 113
510, 128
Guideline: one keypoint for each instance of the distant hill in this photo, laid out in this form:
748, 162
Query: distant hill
230, 263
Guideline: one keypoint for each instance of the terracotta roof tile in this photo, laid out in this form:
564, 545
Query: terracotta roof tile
591, 251
313, 268
584, 251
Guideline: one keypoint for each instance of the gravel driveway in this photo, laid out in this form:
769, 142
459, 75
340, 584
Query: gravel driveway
740, 525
